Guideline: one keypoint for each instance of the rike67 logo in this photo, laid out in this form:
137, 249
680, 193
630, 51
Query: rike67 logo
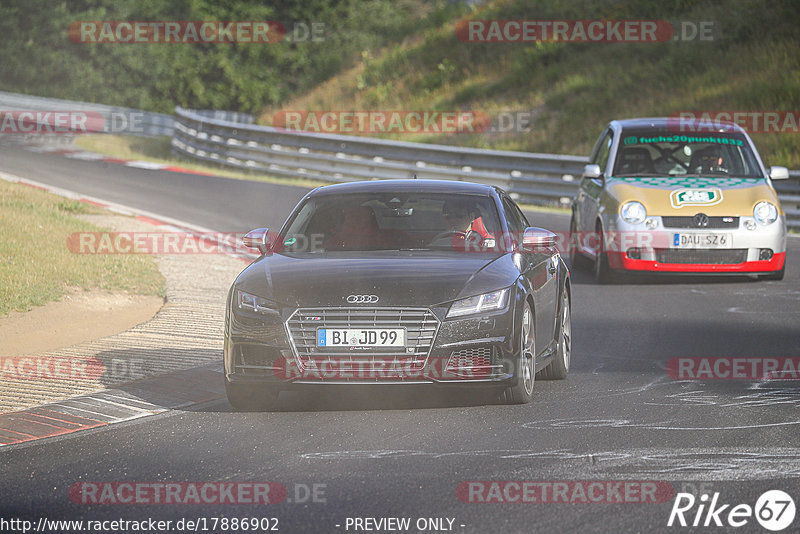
774, 510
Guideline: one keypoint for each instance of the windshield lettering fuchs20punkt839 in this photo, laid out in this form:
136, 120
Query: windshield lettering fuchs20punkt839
670, 154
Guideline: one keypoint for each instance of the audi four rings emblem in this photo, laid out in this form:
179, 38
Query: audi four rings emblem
362, 299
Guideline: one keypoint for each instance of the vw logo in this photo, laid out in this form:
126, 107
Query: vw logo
362, 299
700, 220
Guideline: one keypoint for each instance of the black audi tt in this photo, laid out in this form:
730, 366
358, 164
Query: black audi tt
399, 282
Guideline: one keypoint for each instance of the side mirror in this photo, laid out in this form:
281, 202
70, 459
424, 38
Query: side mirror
779, 173
258, 239
593, 172
537, 239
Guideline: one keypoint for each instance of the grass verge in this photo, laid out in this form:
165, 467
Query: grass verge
36, 266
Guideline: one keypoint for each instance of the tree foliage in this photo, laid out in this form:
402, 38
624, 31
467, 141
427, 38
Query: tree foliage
37, 56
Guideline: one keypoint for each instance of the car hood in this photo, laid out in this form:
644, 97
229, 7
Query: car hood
676, 195
398, 278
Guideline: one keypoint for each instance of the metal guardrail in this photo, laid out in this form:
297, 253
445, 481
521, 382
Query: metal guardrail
532, 178
112, 119
789, 194
115, 119
231, 116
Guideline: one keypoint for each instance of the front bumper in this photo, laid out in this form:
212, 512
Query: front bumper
280, 349
621, 261
753, 248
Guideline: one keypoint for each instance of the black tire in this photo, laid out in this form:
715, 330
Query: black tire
602, 272
576, 259
777, 275
525, 373
249, 397
559, 367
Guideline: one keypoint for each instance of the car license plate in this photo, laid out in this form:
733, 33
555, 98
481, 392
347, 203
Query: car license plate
361, 337
701, 240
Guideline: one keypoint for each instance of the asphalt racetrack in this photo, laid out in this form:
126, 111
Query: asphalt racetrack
620, 415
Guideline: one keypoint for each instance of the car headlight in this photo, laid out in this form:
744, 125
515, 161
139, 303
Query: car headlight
252, 303
633, 212
496, 300
765, 212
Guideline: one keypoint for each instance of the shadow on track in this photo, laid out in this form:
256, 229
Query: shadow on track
368, 398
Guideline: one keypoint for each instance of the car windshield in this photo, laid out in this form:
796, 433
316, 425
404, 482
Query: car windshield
393, 221
671, 154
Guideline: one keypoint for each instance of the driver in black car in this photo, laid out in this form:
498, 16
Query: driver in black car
465, 223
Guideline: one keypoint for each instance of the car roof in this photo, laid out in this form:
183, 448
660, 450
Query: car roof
675, 123
401, 186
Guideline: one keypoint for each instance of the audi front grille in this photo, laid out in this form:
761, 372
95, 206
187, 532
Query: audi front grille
420, 324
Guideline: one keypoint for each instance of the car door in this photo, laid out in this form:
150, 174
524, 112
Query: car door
541, 269
592, 188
